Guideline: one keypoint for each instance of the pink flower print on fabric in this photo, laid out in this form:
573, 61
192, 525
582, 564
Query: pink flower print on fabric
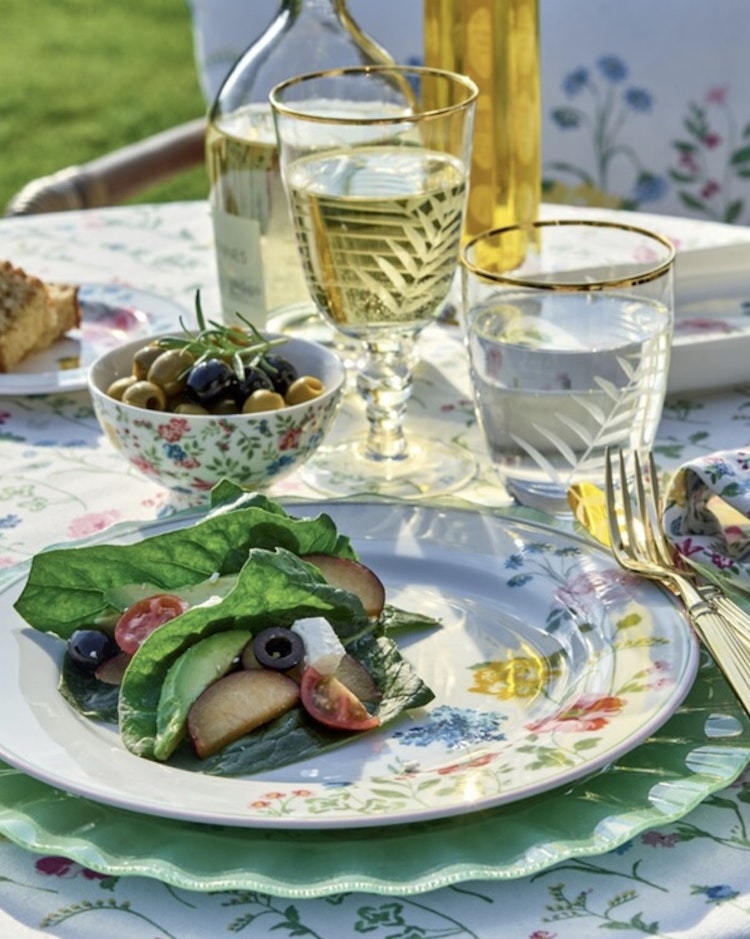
92, 522
717, 95
55, 866
658, 840
710, 168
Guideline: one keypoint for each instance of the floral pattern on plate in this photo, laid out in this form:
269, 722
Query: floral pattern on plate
561, 681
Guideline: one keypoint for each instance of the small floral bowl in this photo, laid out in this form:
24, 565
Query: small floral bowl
190, 453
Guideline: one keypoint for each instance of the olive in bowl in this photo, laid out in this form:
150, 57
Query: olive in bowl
181, 444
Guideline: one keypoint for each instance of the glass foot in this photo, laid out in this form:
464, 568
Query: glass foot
549, 498
431, 468
302, 319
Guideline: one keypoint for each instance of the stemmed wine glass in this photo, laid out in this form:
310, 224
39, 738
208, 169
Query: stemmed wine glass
375, 163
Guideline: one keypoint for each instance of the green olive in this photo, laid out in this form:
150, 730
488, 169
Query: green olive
305, 388
262, 399
188, 407
170, 370
145, 394
118, 387
224, 406
143, 359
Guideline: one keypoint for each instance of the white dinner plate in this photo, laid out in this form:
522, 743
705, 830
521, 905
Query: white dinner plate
550, 663
110, 315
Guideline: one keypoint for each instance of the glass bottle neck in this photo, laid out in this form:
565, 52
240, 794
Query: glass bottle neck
304, 36
296, 8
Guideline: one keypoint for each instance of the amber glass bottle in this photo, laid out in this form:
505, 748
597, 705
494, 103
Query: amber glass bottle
495, 42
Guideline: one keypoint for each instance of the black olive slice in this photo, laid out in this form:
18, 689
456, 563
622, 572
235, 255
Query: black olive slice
278, 647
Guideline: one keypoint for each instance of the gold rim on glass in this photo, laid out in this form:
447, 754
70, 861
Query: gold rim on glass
472, 92
653, 273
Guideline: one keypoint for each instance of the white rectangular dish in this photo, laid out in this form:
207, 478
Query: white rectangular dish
711, 347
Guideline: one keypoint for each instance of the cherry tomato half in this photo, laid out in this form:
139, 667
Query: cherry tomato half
330, 702
143, 617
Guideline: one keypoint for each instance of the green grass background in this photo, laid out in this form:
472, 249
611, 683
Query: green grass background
79, 78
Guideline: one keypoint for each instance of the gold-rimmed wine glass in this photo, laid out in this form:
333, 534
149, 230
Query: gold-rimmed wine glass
375, 162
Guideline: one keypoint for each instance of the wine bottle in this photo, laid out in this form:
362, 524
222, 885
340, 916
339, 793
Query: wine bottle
258, 266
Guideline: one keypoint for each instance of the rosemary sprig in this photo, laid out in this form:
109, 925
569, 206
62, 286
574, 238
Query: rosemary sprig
238, 347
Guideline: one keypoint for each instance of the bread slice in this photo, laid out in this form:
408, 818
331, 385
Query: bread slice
33, 315
63, 299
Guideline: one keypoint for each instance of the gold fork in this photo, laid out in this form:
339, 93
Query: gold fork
633, 525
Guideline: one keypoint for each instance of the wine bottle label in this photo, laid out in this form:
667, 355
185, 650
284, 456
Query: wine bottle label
240, 267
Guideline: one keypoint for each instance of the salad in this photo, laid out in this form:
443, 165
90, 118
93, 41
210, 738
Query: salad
244, 642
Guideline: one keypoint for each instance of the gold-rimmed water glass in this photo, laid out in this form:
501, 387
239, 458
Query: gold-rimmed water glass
568, 326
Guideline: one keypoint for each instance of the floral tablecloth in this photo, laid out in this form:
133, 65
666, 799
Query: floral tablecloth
61, 480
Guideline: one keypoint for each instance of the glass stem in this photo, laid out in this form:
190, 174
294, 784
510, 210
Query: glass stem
385, 384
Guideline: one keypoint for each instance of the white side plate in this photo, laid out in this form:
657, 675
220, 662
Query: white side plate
110, 315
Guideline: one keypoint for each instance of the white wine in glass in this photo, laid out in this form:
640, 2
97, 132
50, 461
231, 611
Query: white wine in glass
376, 177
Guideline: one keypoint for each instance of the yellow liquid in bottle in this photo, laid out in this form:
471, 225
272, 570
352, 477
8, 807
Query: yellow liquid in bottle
496, 43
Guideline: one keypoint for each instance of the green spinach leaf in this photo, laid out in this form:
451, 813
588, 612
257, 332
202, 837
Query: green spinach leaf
67, 587
94, 699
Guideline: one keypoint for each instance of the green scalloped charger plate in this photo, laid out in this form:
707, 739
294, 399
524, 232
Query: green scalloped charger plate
702, 748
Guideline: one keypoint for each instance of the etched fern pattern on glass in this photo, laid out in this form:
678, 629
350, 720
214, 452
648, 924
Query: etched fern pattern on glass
379, 232
548, 410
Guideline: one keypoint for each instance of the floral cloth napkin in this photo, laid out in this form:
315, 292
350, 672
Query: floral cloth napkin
706, 514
